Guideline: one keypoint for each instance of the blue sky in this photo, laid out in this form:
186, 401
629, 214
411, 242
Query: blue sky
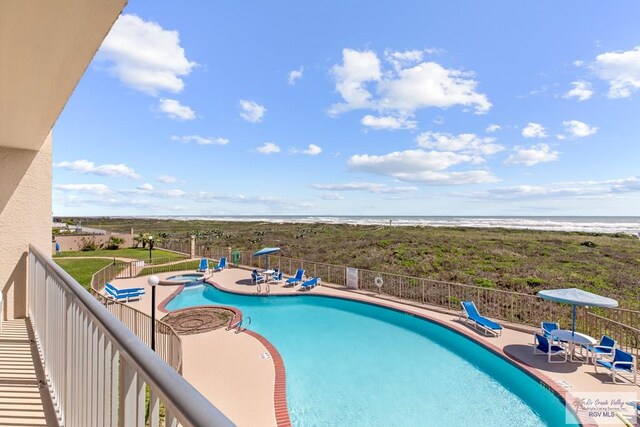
356, 108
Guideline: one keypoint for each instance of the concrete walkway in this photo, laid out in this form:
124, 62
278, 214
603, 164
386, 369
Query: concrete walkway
22, 401
227, 367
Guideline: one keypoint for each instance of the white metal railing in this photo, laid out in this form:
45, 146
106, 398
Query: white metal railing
96, 369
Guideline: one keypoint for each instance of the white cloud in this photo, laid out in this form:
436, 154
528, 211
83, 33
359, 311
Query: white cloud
410, 84
311, 150
88, 167
581, 90
268, 148
429, 84
167, 179
564, 190
145, 56
561, 137
621, 70
174, 110
295, 75
99, 189
493, 128
364, 186
357, 69
200, 140
252, 111
420, 166
539, 153
579, 129
388, 122
534, 130
332, 196
578, 63
400, 60
146, 187
467, 143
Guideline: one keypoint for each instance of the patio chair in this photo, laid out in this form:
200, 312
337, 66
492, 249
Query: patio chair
204, 265
276, 277
471, 313
310, 284
547, 327
256, 278
222, 264
605, 347
123, 294
622, 362
297, 278
542, 345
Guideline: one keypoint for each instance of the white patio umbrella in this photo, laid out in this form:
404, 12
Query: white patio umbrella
577, 297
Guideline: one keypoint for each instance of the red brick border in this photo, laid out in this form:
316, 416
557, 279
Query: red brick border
280, 398
280, 388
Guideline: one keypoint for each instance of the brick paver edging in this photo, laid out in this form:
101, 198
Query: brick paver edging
280, 389
540, 377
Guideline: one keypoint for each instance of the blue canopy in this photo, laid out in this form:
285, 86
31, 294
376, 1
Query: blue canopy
577, 297
266, 251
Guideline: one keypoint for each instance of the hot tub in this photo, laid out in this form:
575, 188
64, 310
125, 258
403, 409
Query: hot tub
184, 279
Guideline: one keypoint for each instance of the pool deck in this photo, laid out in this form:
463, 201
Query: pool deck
231, 371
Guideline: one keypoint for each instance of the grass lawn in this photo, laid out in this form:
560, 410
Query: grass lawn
134, 253
83, 269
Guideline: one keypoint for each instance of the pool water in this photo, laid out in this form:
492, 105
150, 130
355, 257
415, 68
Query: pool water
356, 364
193, 277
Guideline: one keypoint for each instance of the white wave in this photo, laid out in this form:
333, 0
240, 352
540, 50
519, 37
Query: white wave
628, 225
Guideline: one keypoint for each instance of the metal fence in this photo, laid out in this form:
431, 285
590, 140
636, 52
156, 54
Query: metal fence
515, 307
97, 371
168, 342
627, 337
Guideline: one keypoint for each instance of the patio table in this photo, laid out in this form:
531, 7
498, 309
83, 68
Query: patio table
573, 338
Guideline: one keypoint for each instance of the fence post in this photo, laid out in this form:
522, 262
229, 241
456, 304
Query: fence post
192, 246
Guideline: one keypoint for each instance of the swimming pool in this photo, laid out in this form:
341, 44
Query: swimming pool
350, 364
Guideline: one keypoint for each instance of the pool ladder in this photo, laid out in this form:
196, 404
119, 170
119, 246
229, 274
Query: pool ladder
239, 324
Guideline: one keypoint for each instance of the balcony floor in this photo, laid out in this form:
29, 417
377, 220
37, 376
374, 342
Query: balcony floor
22, 402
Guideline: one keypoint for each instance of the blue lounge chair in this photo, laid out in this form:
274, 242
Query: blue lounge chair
310, 284
276, 277
256, 278
297, 278
622, 362
547, 327
471, 312
222, 264
605, 347
204, 265
542, 345
123, 294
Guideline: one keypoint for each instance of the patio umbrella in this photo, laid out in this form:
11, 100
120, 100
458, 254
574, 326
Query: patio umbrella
577, 297
265, 252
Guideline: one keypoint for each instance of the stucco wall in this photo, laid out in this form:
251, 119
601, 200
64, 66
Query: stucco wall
75, 243
25, 218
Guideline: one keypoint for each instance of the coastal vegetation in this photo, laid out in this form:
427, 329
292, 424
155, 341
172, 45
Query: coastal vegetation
518, 260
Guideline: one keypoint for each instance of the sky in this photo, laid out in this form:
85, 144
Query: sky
356, 108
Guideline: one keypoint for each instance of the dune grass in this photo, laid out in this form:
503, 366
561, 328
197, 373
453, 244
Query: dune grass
518, 260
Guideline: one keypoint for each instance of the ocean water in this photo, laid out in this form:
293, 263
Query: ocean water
590, 224
354, 364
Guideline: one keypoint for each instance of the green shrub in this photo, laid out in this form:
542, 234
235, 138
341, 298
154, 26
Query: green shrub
484, 282
88, 245
114, 243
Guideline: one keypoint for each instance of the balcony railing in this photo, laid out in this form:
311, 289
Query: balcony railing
168, 342
97, 371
